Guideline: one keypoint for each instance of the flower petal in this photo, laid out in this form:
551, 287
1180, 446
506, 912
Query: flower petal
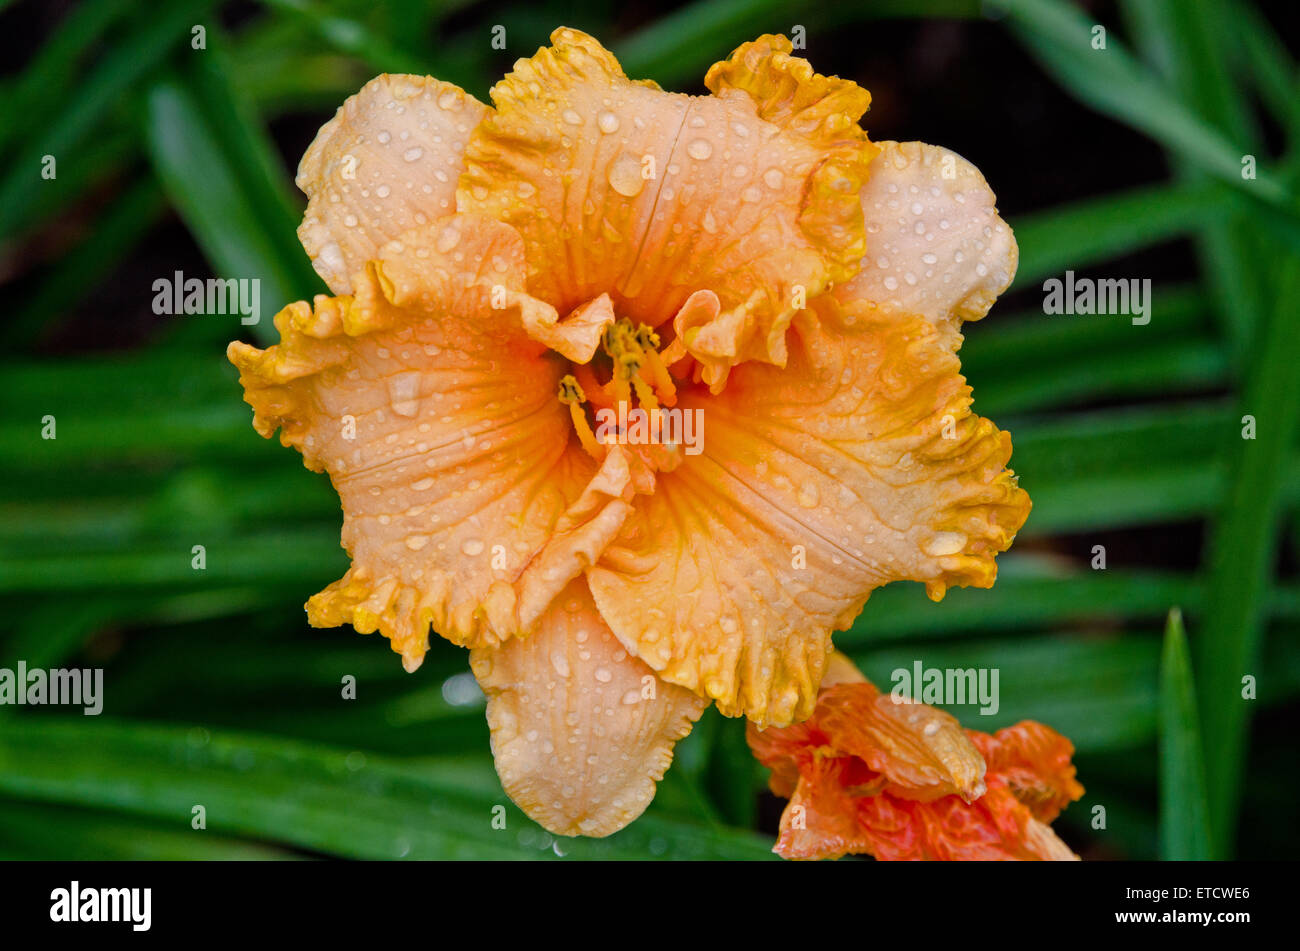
902, 782
386, 163
857, 465
935, 243
993, 828
759, 203
921, 750
561, 160
581, 731
436, 417
821, 820
1034, 761
620, 188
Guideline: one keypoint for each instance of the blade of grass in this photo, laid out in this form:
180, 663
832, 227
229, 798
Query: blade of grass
1188, 42
45, 81
32, 831
229, 221
1098, 229
1243, 547
326, 799
1184, 818
1111, 81
1266, 59
677, 48
1022, 599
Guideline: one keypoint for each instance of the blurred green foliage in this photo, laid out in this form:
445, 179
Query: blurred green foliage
218, 693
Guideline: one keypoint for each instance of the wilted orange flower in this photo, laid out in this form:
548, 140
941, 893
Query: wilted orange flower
592, 243
867, 774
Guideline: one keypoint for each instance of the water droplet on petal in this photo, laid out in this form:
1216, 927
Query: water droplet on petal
404, 392
625, 176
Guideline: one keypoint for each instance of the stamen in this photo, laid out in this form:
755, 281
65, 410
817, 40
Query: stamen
571, 394
635, 355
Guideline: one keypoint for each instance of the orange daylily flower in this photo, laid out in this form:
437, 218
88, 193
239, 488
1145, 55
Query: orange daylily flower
590, 243
867, 774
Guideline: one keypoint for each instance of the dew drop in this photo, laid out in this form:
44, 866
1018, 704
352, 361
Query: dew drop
808, 495
699, 149
404, 392
625, 176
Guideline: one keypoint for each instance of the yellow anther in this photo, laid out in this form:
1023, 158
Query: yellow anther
571, 394
570, 390
636, 361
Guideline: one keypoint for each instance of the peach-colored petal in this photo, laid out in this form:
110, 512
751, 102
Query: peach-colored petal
386, 163
562, 160
759, 203
465, 501
581, 731
857, 465
935, 243
822, 110
620, 188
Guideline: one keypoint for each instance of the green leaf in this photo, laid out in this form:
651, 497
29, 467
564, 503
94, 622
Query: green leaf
1184, 817
1187, 41
330, 800
1112, 82
38, 832
240, 232
1242, 549
1098, 229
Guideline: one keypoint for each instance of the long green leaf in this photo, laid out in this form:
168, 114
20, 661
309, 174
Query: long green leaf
1184, 816
1242, 551
336, 801
1111, 81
